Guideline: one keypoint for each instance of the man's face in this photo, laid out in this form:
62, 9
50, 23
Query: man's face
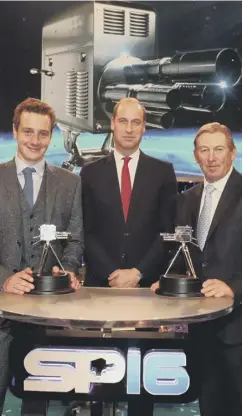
128, 127
33, 136
213, 155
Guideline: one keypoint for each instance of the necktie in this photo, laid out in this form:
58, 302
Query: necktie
126, 188
28, 185
203, 224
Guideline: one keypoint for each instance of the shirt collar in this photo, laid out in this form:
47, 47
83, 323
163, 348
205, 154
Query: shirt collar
220, 184
20, 165
118, 156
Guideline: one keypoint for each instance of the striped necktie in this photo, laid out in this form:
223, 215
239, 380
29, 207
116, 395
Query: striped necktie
204, 222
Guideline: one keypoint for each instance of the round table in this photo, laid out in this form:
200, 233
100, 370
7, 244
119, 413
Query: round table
113, 308
110, 314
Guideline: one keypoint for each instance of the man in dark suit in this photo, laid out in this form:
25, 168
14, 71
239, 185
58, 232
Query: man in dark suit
214, 210
128, 199
33, 193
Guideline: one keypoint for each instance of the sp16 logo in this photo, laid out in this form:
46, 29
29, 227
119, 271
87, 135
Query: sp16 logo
62, 370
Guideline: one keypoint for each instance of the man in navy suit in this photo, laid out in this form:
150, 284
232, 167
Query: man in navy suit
214, 210
128, 199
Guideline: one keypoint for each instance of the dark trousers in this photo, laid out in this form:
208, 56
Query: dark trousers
220, 377
140, 406
5, 340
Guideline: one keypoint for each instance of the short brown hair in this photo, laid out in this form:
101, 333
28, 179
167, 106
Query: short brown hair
216, 128
129, 100
33, 105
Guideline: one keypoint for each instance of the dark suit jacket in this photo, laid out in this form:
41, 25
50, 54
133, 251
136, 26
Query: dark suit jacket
63, 209
110, 242
222, 254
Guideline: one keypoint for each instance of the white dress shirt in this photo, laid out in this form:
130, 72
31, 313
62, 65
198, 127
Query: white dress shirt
132, 165
216, 194
37, 175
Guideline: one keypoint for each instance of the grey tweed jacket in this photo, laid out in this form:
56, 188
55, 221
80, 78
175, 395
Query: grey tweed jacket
63, 209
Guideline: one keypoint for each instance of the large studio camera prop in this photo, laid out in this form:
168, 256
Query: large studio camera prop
176, 284
96, 53
193, 80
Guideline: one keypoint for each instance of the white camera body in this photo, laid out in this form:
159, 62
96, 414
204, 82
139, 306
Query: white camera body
48, 232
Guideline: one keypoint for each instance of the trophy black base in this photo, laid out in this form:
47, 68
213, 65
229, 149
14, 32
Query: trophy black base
51, 285
179, 286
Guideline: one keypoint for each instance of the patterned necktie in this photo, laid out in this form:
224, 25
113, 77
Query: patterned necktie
28, 185
126, 188
204, 222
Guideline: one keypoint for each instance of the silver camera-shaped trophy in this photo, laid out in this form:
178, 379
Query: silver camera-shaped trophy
177, 284
49, 284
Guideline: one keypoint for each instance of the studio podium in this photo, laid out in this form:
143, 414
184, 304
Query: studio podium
104, 345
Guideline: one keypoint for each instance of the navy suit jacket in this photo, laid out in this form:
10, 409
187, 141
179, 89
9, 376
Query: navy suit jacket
110, 242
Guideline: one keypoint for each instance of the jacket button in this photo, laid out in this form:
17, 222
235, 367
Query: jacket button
123, 256
204, 264
126, 234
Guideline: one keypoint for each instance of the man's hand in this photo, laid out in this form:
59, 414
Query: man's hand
155, 286
216, 288
19, 283
124, 278
75, 284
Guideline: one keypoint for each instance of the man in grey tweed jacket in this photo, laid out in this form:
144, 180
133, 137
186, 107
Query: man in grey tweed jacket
55, 198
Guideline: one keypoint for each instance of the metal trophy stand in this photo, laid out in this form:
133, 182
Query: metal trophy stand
176, 284
47, 284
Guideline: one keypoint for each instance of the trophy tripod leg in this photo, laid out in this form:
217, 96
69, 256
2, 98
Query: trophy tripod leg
188, 260
173, 260
43, 259
55, 254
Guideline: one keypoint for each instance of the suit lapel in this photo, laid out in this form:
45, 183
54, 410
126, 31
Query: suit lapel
12, 188
140, 181
189, 212
228, 199
113, 186
198, 194
51, 191
12, 185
